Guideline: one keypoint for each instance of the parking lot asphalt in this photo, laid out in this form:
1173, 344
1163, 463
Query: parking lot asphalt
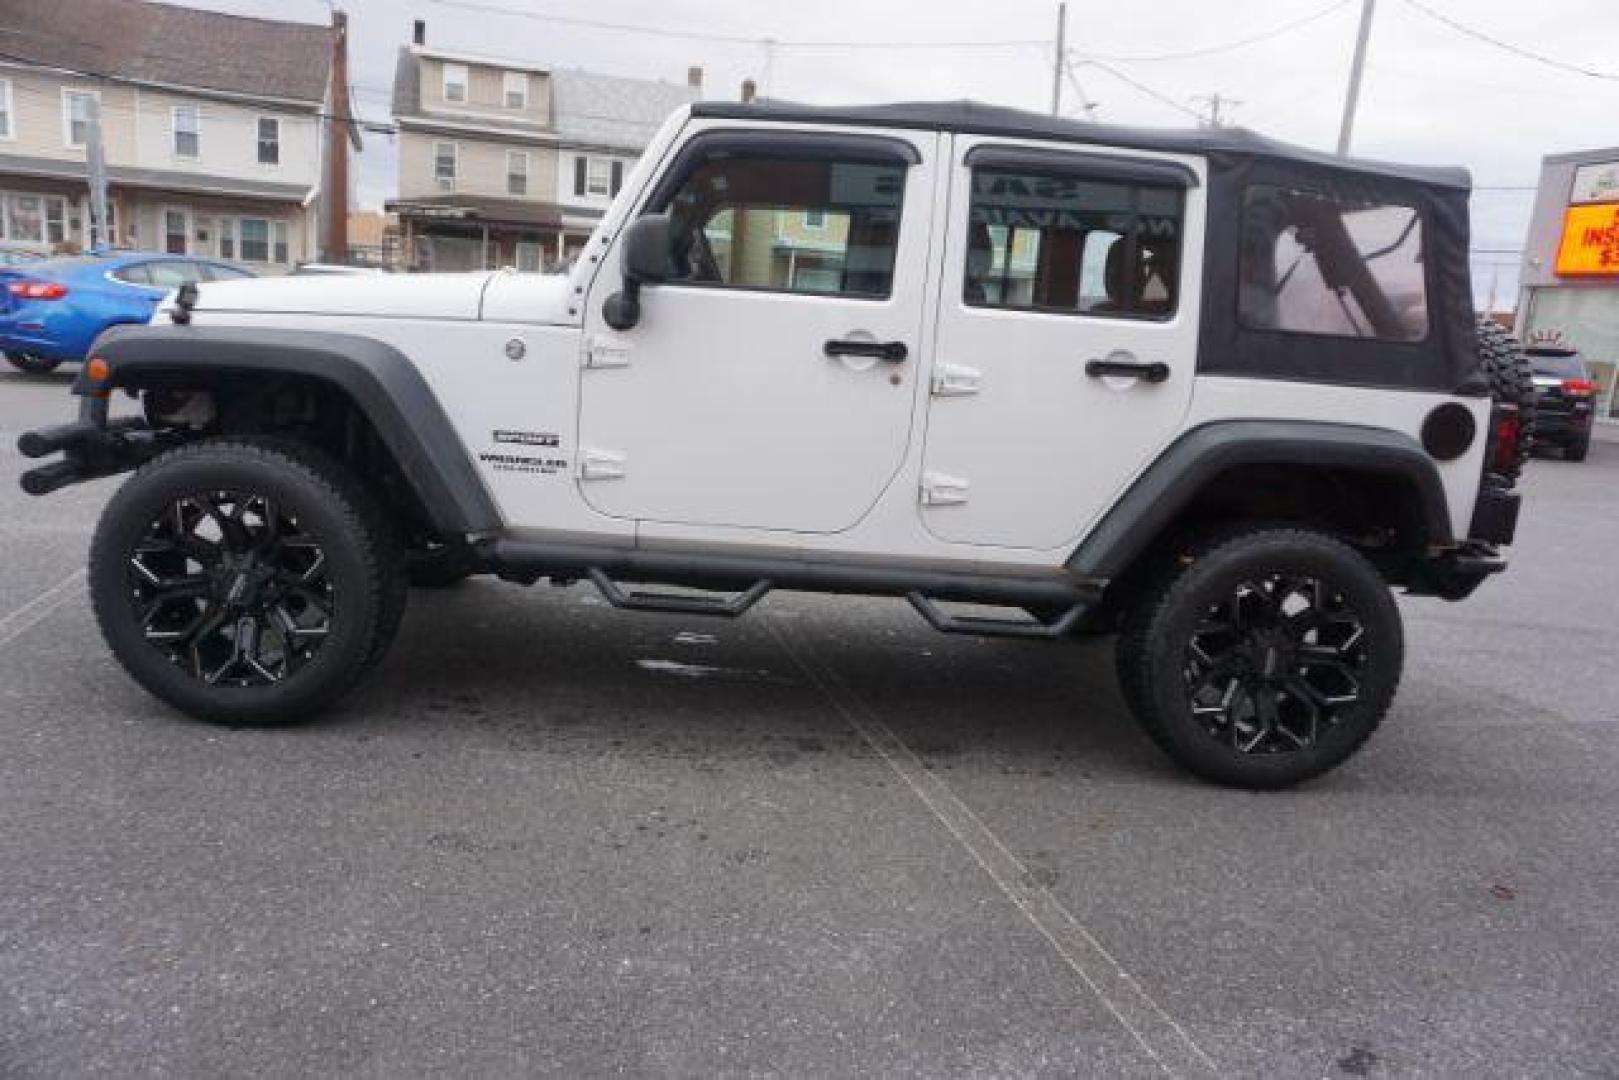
547, 836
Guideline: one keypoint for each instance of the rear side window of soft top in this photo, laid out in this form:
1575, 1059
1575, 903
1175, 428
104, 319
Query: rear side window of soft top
1318, 263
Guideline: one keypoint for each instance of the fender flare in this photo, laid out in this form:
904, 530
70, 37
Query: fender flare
1190, 463
381, 381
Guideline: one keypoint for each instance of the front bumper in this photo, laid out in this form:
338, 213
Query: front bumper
92, 446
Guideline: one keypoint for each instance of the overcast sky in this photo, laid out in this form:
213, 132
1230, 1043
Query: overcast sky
1430, 94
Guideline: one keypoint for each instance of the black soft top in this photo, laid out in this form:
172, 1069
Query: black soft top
1445, 360
976, 118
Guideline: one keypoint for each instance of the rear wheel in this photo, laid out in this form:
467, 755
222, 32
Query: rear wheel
244, 581
1263, 659
32, 365
1576, 451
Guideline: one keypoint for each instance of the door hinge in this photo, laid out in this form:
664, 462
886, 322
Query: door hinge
600, 464
955, 380
605, 353
941, 490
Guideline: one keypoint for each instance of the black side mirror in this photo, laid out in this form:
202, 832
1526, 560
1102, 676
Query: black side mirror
644, 261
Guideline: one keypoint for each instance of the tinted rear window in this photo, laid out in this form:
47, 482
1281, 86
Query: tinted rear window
1562, 365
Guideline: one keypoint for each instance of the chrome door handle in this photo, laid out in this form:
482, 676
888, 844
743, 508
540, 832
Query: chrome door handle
894, 352
1155, 372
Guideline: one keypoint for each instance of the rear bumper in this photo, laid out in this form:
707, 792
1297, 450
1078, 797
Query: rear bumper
1560, 426
1456, 573
50, 335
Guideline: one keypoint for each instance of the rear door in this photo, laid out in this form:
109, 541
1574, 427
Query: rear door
1067, 335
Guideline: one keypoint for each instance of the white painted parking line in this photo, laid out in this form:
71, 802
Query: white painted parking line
1153, 1029
36, 610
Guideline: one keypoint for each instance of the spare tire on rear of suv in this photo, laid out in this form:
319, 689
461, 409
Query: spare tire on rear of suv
1512, 381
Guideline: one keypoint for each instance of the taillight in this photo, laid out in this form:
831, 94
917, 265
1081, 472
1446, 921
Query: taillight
1579, 387
1504, 440
37, 290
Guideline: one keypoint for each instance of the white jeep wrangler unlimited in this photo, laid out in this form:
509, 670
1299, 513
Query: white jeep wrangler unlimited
1213, 392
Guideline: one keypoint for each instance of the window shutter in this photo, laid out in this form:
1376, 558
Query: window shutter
618, 176
579, 176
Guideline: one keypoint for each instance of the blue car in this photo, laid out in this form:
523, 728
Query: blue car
51, 311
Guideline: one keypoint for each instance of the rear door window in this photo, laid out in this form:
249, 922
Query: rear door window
136, 274
217, 272
173, 273
1315, 263
1064, 243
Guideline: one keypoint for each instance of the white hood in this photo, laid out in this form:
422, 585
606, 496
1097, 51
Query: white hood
507, 297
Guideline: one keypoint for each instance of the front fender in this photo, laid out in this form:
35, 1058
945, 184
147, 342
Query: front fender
380, 380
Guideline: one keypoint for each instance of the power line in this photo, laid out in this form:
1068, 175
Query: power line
1156, 95
1507, 46
730, 39
1210, 50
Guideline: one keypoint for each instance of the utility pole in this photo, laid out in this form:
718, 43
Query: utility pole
1352, 99
1060, 61
1215, 101
334, 202
95, 165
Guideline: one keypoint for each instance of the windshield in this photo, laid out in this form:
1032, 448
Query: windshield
1563, 365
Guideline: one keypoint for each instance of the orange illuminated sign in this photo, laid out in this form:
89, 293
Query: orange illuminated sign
1590, 244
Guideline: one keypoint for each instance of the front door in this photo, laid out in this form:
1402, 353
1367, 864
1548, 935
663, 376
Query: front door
769, 382
1067, 336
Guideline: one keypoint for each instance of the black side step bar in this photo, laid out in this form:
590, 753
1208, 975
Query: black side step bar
747, 579
987, 626
724, 607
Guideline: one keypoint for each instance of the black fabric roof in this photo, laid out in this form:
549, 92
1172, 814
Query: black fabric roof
980, 119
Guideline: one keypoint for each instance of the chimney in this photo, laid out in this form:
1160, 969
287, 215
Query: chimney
418, 32
694, 80
749, 88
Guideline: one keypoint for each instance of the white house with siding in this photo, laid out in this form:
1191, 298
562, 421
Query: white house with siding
217, 129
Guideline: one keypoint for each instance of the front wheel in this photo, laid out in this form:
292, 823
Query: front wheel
1263, 659
244, 581
29, 364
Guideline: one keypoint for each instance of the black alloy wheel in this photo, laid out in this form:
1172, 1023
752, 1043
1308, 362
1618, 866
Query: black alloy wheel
1274, 663
232, 589
246, 581
1263, 657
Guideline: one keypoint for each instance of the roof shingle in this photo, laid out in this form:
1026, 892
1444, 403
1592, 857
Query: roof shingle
177, 46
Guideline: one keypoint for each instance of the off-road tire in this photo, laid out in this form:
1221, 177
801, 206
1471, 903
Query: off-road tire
1511, 379
336, 519
1159, 676
1577, 451
29, 364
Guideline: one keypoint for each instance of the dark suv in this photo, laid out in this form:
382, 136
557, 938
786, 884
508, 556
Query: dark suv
1565, 400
